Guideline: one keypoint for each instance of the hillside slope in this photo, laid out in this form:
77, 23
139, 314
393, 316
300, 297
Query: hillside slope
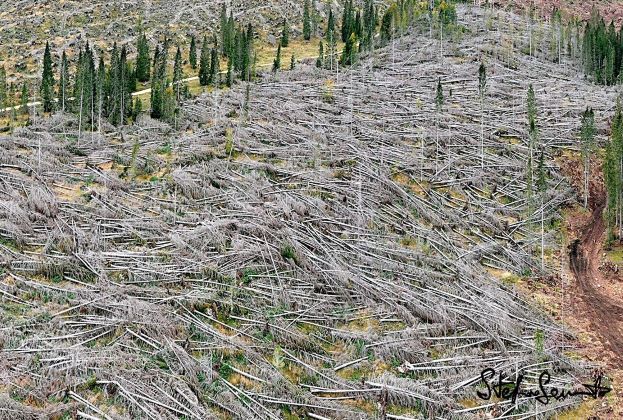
315, 246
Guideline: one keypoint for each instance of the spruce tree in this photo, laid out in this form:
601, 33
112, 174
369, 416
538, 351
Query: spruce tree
230, 73
320, 59
277, 61
224, 30
192, 55
587, 136
213, 78
47, 80
387, 25
204, 63
347, 20
124, 80
292, 62
349, 53
330, 38
24, 99
4, 92
285, 34
157, 86
369, 25
482, 88
439, 99
541, 184
63, 83
247, 71
306, 22
142, 59
231, 37
178, 74
612, 174
101, 92
137, 108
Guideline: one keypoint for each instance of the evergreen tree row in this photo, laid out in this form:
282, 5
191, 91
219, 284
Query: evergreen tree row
602, 51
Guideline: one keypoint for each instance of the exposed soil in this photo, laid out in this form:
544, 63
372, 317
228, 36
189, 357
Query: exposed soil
595, 307
605, 313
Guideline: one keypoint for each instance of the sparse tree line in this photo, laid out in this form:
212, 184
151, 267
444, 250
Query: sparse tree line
602, 52
96, 89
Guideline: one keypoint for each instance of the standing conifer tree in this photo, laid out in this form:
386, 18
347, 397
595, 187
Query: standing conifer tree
587, 136
178, 75
438, 107
347, 20
541, 184
214, 66
306, 22
330, 38
204, 63
277, 61
63, 83
224, 29
24, 99
349, 53
612, 174
320, 59
285, 34
4, 92
142, 59
192, 55
101, 92
482, 88
47, 80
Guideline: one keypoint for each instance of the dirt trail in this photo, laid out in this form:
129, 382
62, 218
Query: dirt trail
605, 314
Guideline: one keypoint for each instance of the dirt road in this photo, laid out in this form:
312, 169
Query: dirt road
606, 315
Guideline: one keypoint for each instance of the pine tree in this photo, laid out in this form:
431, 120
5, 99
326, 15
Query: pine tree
285, 34
347, 20
192, 55
142, 59
224, 29
541, 184
587, 135
214, 67
482, 88
292, 62
47, 80
204, 63
231, 37
387, 25
124, 77
358, 25
230, 73
277, 61
330, 38
320, 59
306, 22
63, 83
613, 173
137, 109
178, 74
349, 53
248, 66
101, 92
24, 99
4, 93
369, 25
439, 99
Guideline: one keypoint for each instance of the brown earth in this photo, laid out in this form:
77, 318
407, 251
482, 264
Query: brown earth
594, 309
